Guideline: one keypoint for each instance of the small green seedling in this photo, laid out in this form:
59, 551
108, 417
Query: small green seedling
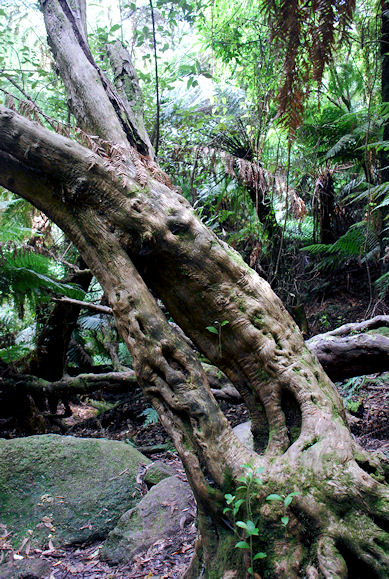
247, 529
286, 502
218, 330
246, 491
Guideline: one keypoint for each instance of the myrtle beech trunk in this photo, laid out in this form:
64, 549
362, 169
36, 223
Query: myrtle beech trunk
142, 240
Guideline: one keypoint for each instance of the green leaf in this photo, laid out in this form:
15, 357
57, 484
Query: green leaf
251, 529
285, 520
259, 555
213, 331
226, 510
225, 323
229, 498
241, 524
242, 545
114, 28
274, 497
237, 505
289, 498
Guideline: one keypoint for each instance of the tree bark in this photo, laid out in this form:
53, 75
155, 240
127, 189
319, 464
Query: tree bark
135, 233
345, 352
69, 385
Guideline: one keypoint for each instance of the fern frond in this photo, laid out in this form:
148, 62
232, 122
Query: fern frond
14, 353
26, 274
93, 323
359, 242
306, 31
151, 416
382, 285
345, 146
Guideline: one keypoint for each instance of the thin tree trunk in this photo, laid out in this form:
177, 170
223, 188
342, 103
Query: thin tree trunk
384, 42
54, 333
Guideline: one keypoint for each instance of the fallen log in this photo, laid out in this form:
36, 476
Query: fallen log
353, 349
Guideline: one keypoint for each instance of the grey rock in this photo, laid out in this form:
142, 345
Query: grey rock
156, 472
159, 514
243, 432
25, 569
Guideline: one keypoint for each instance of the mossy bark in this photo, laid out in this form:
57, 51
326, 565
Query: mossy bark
137, 233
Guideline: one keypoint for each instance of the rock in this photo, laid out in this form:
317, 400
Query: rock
243, 432
156, 472
74, 489
158, 515
25, 569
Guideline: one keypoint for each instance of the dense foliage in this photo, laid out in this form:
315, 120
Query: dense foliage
270, 117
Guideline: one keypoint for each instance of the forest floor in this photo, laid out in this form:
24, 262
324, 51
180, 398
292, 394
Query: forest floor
366, 397
131, 420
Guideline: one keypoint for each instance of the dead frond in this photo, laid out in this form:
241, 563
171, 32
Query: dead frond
307, 33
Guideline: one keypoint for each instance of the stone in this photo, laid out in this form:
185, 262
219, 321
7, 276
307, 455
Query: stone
162, 513
243, 432
25, 569
156, 472
70, 490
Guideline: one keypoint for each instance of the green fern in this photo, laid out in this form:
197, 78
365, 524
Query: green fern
382, 285
14, 353
92, 323
359, 242
151, 416
124, 355
27, 275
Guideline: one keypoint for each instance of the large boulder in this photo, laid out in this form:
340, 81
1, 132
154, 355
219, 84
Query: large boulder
163, 512
70, 490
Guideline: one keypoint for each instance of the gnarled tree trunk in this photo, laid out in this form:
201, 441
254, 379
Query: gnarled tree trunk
137, 233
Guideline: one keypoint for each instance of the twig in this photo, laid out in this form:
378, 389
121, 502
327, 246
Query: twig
95, 307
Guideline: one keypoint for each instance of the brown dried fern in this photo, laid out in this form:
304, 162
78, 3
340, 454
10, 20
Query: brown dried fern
115, 157
307, 33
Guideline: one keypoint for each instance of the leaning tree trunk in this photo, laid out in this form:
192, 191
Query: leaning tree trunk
137, 234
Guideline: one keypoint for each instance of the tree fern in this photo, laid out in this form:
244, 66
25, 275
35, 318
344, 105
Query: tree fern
26, 274
359, 242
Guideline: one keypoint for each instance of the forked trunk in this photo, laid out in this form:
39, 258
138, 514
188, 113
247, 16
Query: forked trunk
137, 234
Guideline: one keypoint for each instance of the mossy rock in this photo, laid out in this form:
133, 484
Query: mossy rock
74, 489
156, 472
161, 513
25, 569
